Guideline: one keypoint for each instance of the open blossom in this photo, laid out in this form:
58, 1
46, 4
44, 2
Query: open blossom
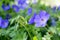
16, 8
41, 19
3, 23
5, 7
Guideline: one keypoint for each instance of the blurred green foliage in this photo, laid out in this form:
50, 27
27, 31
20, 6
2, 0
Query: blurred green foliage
19, 29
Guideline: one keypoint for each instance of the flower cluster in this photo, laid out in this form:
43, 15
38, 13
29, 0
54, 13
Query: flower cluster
40, 20
21, 4
3, 23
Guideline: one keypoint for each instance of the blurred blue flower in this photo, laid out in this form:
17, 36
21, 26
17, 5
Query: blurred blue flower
54, 9
24, 6
29, 11
53, 22
4, 23
16, 8
31, 20
8, 16
40, 20
5, 7
21, 2
58, 8
0, 21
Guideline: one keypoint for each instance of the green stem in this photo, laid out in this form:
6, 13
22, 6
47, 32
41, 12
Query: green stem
27, 31
25, 26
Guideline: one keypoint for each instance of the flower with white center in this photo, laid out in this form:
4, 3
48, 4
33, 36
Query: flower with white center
40, 20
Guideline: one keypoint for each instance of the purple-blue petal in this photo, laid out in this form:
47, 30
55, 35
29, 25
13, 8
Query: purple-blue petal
40, 22
5, 7
31, 20
53, 22
40, 25
21, 2
4, 23
0, 21
29, 11
44, 14
58, 8
41, 19
16, 8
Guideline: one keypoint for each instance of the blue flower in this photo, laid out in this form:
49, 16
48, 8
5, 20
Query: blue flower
5, 7
31, 20
16, 8
54, 10
53, 22
41, 19
21, 2
8, 16
29, 11
4, 23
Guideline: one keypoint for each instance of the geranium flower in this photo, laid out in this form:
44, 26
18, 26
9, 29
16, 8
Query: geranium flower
15, 8
41, 19
5, 7
3, 23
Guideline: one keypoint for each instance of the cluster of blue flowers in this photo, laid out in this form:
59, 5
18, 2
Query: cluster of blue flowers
3, 23
21, 4
40, 19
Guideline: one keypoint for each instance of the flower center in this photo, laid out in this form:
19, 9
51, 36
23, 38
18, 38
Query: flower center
42, 19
